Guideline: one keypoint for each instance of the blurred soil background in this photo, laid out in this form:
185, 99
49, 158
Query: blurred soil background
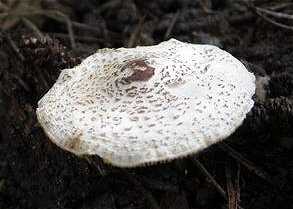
252, 169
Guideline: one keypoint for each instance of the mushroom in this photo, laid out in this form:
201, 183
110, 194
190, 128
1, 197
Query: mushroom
134, 106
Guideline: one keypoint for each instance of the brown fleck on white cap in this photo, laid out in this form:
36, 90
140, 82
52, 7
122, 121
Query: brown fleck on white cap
147, 104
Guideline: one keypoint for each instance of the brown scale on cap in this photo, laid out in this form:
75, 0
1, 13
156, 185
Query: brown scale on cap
141, 71
74, 141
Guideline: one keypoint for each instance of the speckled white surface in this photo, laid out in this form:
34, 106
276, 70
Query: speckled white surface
197, 95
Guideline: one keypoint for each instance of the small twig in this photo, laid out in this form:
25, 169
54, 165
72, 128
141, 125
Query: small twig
97, 165
22, 83
87, 39
78, 25
233, 193
260, 11
32, 26
274, 22
83, 26
171, 26
135, 33
14, 46
237, 185
52, 13
204, 7
281, 6
248, 164
209, 177
275, 14
108, 5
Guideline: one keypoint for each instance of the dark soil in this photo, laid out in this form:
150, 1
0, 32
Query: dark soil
34, 173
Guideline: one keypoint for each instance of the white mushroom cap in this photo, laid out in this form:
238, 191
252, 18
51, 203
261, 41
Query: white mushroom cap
147, 104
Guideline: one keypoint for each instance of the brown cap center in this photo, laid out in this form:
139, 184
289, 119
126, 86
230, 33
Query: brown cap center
141, 71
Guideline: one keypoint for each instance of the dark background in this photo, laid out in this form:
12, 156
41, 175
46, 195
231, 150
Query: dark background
40, 38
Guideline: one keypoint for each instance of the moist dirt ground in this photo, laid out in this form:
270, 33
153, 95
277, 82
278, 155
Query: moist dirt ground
252, 169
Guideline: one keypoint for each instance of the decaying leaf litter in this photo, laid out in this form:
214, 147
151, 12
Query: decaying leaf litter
262, 143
